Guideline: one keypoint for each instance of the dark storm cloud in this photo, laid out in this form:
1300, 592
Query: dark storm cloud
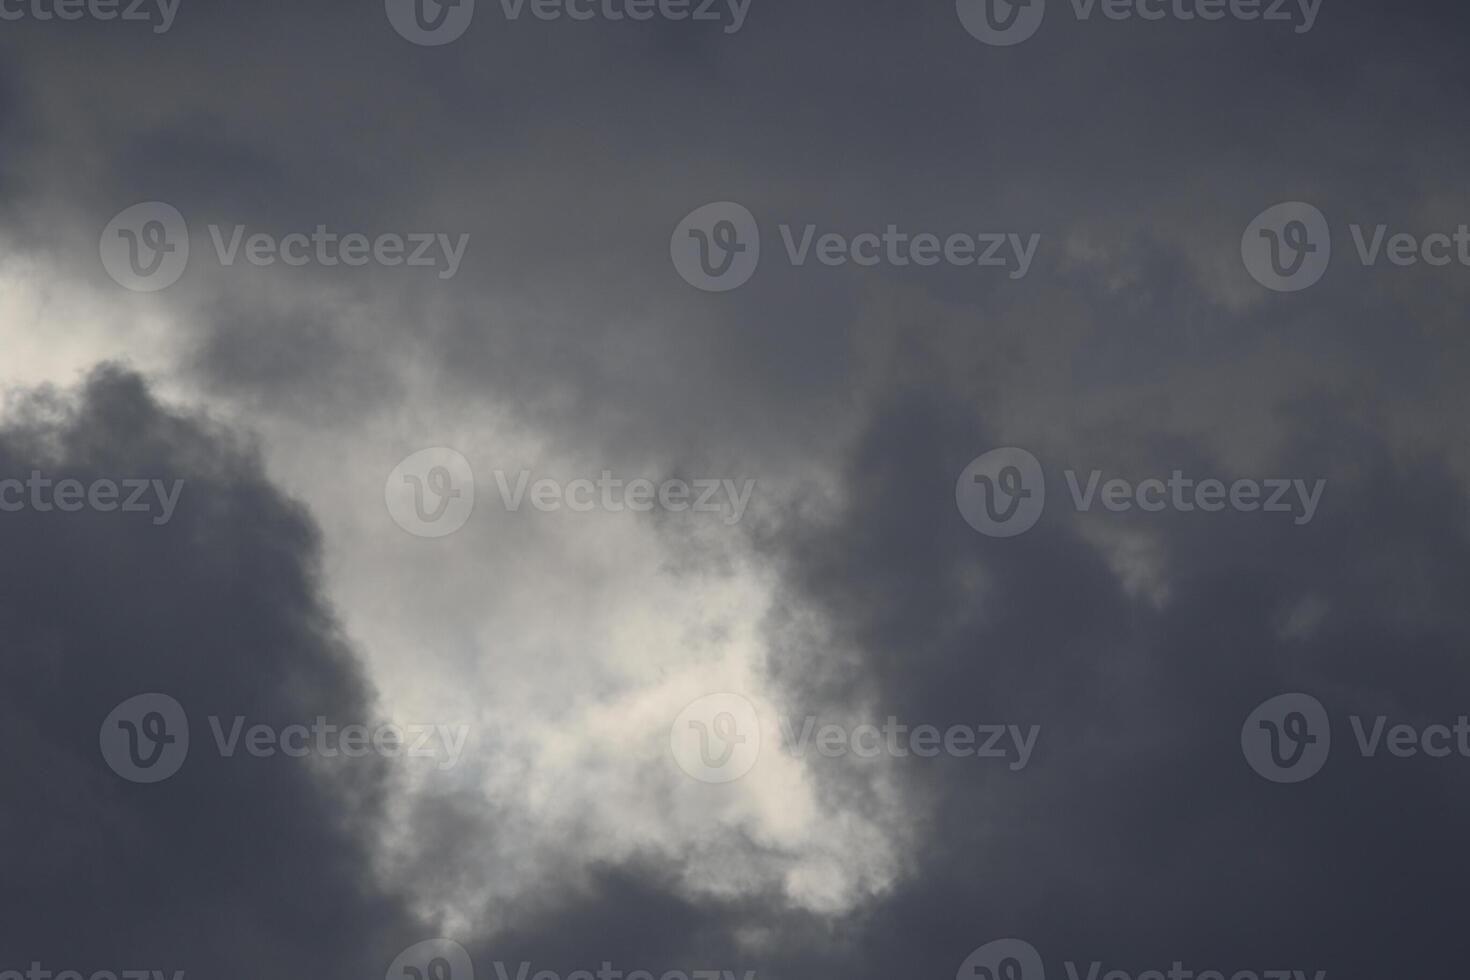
1139, 836
242, 867
570, 152
231, 868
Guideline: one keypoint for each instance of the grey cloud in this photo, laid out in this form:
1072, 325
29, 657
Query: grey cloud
569, 152
1139, 836
234, 871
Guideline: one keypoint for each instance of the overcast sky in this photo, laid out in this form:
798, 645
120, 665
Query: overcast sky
606, 408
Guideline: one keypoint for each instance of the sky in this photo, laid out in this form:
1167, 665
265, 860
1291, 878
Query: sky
553, 489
